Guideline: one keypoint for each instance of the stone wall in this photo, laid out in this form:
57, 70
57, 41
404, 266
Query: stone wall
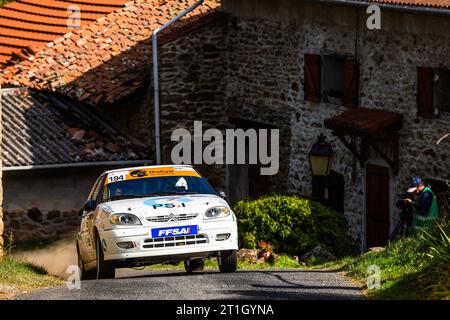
45, 203
268, 70
192, 69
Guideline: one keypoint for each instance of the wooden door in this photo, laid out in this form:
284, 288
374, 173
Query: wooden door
377, 206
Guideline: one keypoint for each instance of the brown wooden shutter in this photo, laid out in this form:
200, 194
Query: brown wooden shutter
313, 72
351, 83
425, 92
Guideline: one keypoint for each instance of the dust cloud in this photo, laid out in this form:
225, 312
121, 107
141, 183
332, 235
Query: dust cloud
54, 259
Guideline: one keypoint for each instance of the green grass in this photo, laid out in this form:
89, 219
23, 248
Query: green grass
409, 270
24, 276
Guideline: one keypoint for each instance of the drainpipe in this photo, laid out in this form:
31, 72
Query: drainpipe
156, 77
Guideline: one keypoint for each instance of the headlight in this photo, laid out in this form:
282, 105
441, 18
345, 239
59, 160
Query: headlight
217, 212
124, 219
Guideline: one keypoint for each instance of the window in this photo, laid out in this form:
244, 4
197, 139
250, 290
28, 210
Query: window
157, 186
433, 91
332, 79
441, 92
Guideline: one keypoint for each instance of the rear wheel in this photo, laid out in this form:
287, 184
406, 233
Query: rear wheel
227, 261
105, 269
84, 275
194, 265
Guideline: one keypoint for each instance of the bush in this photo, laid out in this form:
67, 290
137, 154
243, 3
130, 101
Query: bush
293, 224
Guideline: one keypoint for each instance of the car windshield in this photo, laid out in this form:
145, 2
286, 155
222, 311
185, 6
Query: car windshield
157, 186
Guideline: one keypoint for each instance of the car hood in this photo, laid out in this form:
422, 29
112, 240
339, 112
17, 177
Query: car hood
154, 206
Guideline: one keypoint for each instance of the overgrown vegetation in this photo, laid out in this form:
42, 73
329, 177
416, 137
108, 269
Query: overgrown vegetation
411, 268
293, 224
21, 276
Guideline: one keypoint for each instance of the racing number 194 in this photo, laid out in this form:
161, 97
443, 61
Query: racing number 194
116, 178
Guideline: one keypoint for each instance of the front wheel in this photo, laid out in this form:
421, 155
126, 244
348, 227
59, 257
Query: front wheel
105, 269
194, 265
227, 261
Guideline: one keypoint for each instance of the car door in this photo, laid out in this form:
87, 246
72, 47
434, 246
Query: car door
87, 225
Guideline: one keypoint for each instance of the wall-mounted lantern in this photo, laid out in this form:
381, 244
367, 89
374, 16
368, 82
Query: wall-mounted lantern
321, 157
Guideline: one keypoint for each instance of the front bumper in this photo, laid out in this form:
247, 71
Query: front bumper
169, 248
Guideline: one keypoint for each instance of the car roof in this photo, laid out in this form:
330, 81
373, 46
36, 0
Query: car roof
147, 167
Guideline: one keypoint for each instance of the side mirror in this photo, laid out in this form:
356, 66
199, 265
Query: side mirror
90, 205
222, 194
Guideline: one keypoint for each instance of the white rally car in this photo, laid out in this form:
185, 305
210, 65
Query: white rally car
158, 214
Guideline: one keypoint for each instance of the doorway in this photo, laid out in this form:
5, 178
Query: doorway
377, 206
245, 180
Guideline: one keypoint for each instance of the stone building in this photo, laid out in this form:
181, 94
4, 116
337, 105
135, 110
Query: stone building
323, 61
303, 67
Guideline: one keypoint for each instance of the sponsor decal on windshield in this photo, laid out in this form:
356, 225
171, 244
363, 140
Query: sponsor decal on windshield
151, 172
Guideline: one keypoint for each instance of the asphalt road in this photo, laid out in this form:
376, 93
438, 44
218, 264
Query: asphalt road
177, 285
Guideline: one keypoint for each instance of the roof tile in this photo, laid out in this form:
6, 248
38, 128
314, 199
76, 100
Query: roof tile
33, 23
101, 44
41, 128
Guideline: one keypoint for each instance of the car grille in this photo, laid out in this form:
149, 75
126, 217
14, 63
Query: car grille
173, 217
175, 241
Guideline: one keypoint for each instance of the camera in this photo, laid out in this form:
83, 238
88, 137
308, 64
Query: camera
406, 216
406, 207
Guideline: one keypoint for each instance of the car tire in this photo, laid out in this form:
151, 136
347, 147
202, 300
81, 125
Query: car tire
105, 269
194, 265
84, 275
227, 261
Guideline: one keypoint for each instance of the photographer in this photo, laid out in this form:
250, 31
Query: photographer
425, 206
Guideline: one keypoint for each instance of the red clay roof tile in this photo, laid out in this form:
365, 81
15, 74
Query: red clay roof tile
34, 18
26, 8
32, 23
110, 58
14, 42
21, 25
17, 34
64, 5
